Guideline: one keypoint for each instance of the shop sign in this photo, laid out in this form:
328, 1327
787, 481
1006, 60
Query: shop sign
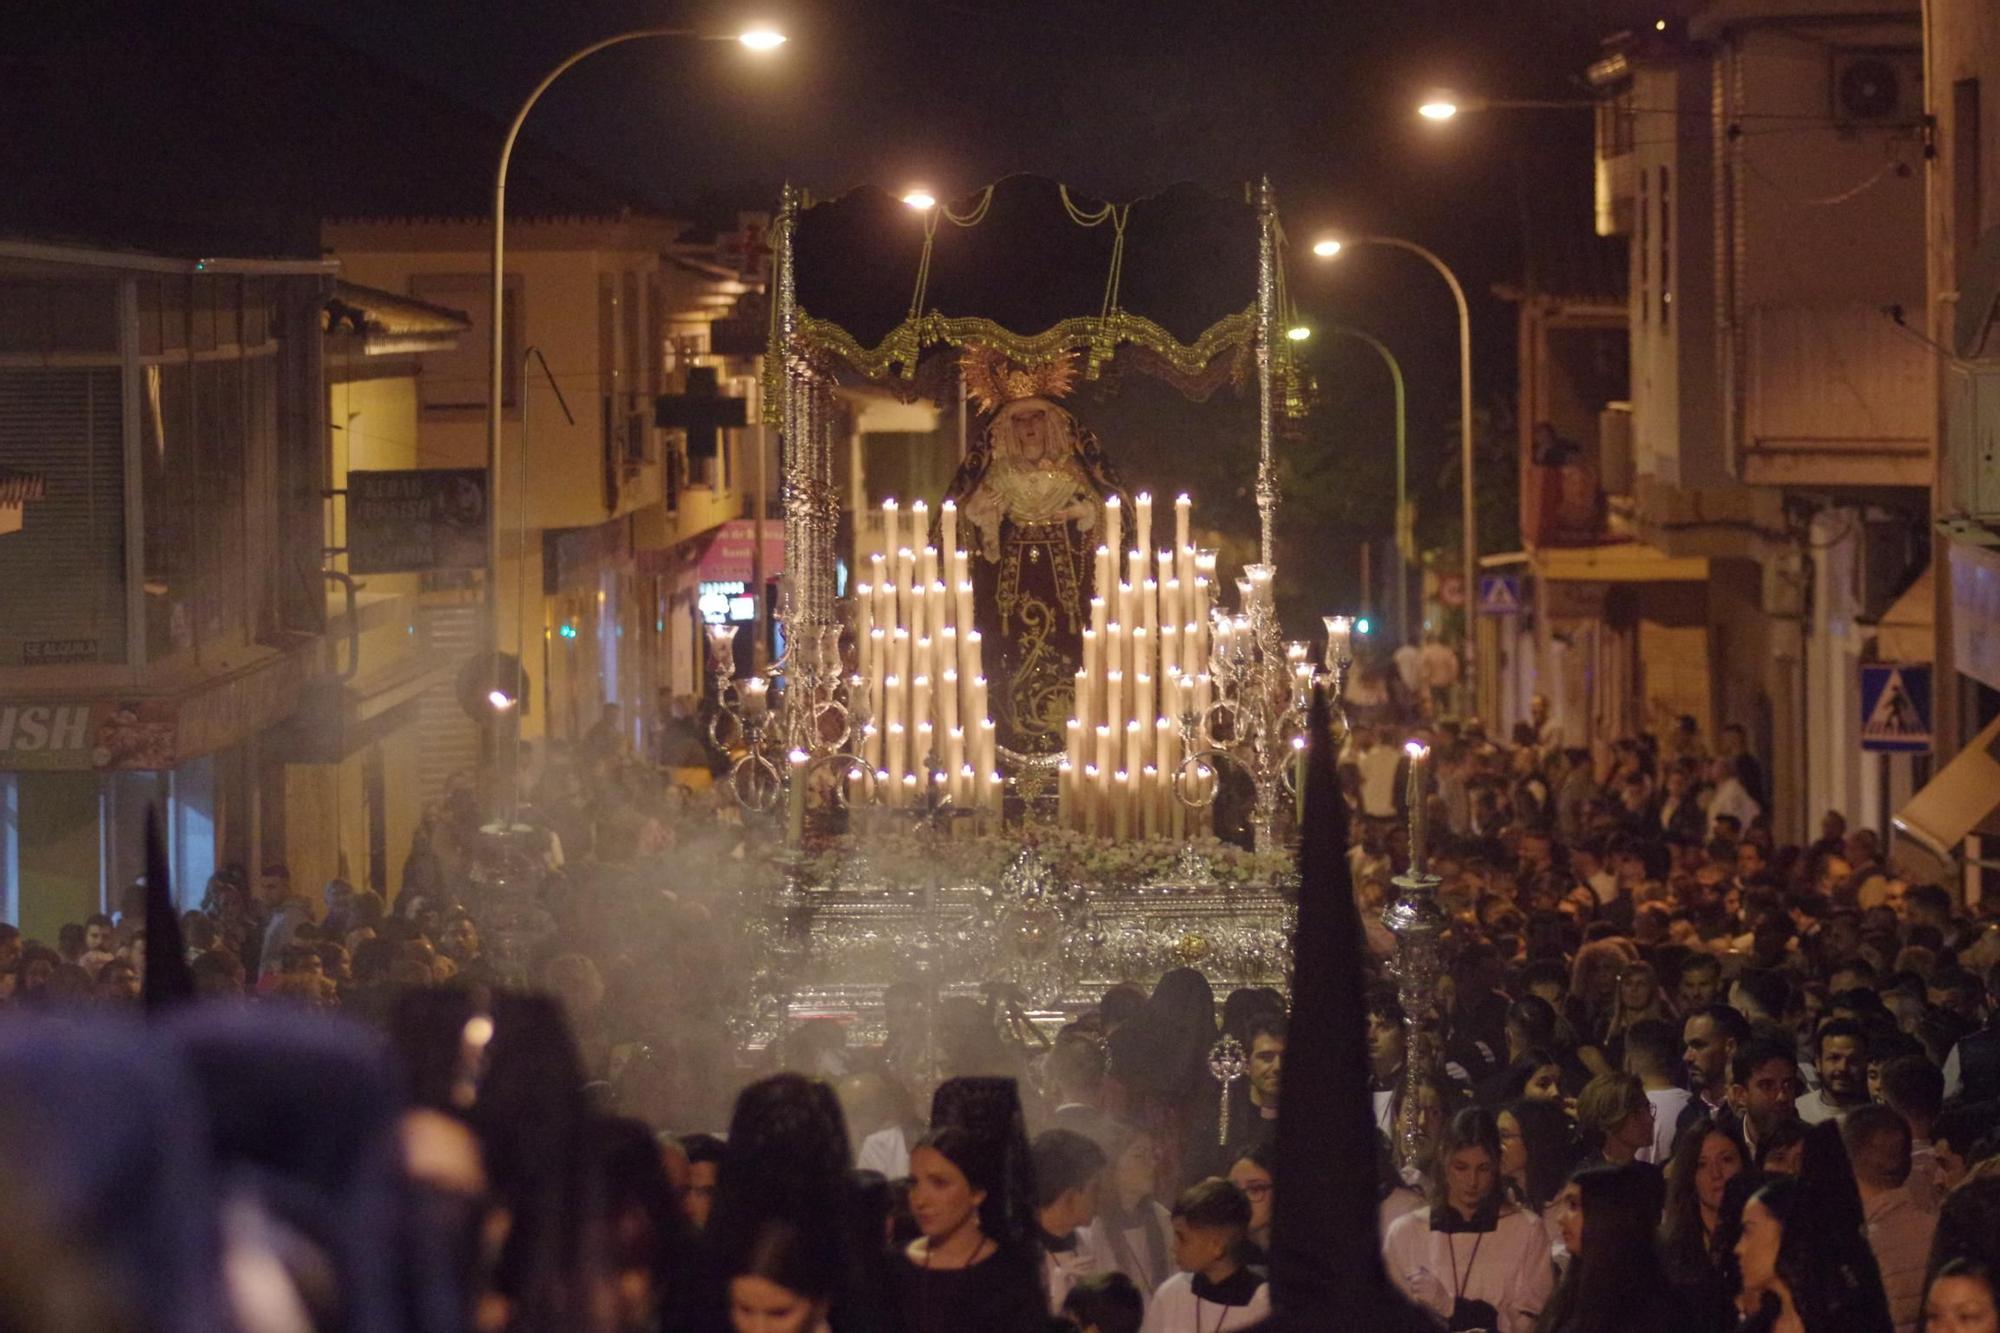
58, 652
417, 519
727, 601
100, 735
732, 552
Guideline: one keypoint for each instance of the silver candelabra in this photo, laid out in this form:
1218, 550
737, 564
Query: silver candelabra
1418, 921
1256, 719
786, 738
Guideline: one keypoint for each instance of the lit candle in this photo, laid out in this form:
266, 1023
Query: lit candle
1090, 797
1104, 761
906, 576
1142, 699
920, 709
752, 692
1135, 754
919, 525
890, 538
968, 786
1135, 567
1142, 522
1102, 573
1149, 800
990, 798
927, 557
864, 624
1121, 806
971, 666
1114, 700
1086, 679
948, 516
947, 692
924, 748
1170, 650
1261, 579
1416, 796
989, 740
795, 798
920, 615
964, 587
1165, 761
909, 789
1183, 518
1113, 524
1065, 793
954, 758
1099, 615
1339, 638
896, 747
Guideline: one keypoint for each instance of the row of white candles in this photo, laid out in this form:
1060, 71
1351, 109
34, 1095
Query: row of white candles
922, 661
1145, 657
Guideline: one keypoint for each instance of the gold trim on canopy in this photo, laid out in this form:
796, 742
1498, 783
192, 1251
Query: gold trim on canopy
907, 340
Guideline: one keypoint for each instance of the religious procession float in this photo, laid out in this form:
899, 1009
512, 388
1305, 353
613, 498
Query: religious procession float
1002, 751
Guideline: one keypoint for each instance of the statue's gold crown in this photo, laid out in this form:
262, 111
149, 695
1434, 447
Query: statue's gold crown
992, 380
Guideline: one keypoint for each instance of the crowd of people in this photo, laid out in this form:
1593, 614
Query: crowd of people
1691, 1079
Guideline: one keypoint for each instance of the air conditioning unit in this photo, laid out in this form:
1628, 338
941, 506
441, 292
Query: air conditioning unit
1877, 86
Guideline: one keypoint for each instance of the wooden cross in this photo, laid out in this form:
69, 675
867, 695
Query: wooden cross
700, 410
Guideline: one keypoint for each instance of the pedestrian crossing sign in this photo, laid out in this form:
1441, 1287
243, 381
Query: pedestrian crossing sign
1896, 707
1499, 595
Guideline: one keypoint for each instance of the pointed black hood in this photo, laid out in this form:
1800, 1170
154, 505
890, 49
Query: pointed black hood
1326, 1255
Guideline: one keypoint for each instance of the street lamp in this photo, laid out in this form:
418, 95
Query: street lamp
1468, 518
921, 200
1402, 475
760, 38
1441, 105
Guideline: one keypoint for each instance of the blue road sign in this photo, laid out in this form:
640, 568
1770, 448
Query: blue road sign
1499, 594
1896, 707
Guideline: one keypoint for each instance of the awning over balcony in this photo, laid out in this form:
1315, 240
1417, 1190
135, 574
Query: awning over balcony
1907, 631
1627, 562
1956, 801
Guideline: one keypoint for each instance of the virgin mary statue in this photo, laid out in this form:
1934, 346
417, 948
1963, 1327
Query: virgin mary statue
1031, 492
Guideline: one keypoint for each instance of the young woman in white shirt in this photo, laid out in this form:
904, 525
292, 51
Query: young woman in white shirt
1471, 1258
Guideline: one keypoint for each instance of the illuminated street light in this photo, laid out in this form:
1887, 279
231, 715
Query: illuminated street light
1439, 109
920, 200
760, 39
1468, 517
1298, 333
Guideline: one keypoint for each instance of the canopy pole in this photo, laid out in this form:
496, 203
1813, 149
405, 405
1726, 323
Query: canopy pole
1266, 340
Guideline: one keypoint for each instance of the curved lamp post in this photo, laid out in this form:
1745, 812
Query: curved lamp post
1468, 518
755, 39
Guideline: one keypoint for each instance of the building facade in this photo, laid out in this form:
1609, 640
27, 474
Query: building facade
164, 590
603, 514
1765, 162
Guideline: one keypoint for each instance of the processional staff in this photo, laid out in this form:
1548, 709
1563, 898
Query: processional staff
1418, 923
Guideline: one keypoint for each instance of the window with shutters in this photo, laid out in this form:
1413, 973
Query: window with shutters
208, 465
62, 576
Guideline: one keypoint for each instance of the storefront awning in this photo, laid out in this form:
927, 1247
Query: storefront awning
731, 552
1623, 562
1907, 631
1956, 801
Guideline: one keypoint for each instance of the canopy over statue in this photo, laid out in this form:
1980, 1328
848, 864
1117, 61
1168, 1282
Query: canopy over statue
1016, 640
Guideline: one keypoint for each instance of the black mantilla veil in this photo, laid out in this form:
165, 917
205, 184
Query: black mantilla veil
1032, 526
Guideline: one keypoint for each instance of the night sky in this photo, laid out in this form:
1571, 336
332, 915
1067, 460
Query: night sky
1116, 99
